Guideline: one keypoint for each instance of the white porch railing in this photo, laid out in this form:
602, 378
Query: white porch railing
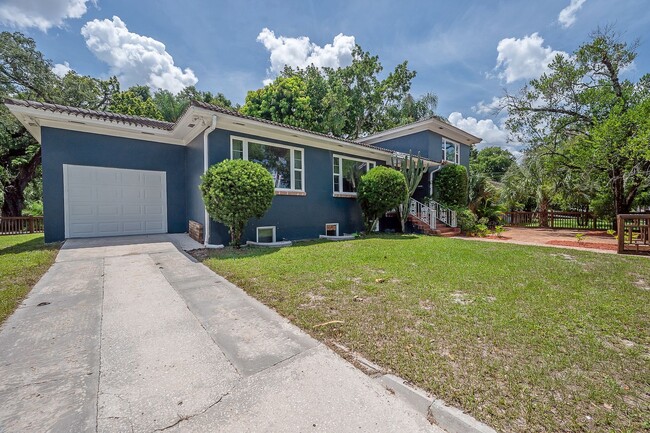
444, 214
432, 213
423, 212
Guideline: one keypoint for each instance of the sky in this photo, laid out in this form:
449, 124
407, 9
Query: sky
466, 52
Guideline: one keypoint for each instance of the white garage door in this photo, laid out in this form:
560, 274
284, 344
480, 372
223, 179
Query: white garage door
112, 202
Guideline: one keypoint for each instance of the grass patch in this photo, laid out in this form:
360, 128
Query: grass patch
525, 338
23, 260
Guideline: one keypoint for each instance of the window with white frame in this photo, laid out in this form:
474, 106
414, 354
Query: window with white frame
347, 173
266, 234
332, 229
285, 163
450, 151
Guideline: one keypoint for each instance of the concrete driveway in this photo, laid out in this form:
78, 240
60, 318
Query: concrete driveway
131, 335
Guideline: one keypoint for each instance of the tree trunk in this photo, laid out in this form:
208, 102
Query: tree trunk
14, 198
14, 201
621, 204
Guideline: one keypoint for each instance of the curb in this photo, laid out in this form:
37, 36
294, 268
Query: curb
449, 418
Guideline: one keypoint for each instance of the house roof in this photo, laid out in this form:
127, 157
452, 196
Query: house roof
431, 124
34, 115
95, 114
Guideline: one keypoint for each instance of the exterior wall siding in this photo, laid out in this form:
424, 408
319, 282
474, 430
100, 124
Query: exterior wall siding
428, 144
194, 170
295, 217
71, 147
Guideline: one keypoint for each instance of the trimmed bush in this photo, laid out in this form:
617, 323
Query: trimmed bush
235, 191
450, 185
467, 221
380, 190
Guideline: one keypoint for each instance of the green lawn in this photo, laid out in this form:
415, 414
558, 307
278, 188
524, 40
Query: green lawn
525, 338
23, 260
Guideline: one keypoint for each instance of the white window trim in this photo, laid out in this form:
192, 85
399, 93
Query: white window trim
293, 149
445, 142
332, 224
371, 165
257, 233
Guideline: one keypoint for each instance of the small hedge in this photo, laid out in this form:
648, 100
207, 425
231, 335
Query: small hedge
235, 191
380, 190
450, 185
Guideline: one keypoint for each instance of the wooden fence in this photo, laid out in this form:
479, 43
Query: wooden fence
633, 233
557, 220
20, 225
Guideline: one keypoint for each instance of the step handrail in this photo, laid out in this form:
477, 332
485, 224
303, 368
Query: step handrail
423, 212
444, 214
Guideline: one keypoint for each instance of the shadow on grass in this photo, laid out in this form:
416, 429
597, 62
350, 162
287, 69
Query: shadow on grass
231, 253
34, 244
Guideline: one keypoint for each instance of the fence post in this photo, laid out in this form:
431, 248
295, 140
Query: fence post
31, 224
620, 229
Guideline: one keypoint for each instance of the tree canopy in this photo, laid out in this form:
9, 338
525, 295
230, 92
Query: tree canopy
26, 74
493, 162
350, 102
582, 116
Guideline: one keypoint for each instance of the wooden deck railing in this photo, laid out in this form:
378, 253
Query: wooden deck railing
633, 233
20, 225
556, 220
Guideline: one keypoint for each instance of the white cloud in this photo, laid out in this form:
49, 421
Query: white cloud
61, 69
524, 58
40, 14
301, 52
567, 16
135, 59
486, 129
495, 105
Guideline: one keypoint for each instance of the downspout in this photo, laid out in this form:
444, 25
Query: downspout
206, 217
431, 178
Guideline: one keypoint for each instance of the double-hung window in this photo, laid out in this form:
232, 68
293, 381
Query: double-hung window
347, 172
450, 151
285, 163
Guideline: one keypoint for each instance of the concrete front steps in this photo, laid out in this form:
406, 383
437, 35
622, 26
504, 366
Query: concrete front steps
441, 229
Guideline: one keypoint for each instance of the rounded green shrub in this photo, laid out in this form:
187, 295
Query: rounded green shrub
450, 185
380, 190
235, 191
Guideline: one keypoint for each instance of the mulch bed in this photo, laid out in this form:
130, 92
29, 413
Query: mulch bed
594, 245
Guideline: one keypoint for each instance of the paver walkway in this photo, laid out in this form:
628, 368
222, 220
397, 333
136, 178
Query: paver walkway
129, 334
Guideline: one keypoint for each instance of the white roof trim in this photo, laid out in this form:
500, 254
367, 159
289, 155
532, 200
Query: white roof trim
182, 133
432, 124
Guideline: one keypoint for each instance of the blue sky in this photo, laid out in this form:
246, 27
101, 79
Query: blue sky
467, 52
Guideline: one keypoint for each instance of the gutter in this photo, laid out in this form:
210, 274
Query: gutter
206, 220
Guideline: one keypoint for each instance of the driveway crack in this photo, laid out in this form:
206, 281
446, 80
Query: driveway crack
188, 417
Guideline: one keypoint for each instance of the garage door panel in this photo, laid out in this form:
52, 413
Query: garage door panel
81, 230
83, 193
129, 210
131, 194
153, 225
152, 180
104, 201
133, 178
153, 194
81, 211
153, 210
108, 210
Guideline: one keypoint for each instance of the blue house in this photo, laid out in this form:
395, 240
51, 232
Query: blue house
108, 174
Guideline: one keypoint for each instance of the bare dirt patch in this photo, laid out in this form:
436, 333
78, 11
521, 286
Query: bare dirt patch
576, 244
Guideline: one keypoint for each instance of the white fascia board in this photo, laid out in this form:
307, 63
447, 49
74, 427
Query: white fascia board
265, 130
33, 119
444, 129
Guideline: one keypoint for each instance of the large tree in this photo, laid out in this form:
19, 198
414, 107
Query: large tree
350, 102
589, 119
492, 162
25, 73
